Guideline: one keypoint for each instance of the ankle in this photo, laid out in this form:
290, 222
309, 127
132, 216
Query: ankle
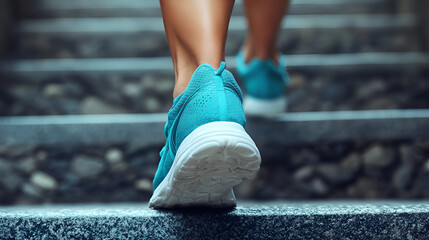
251, 52
183, 73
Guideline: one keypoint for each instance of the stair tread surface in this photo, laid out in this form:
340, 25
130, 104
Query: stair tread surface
250, 220
111, 8
300, 128
368, 60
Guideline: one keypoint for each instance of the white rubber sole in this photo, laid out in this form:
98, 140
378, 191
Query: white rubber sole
209, 162
257, 107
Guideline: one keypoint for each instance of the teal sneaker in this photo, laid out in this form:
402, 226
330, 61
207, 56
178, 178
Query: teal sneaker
207, 151
264, 84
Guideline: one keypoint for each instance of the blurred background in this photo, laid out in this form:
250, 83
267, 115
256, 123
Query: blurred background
101, 57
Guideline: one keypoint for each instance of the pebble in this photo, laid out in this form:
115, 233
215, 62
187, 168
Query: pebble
352, 161
408, 154
333, 173
43, 181
114, 155
131, 90
303, 173
304, 157
92, 105
85, 166
426, 166
14, 151
402, 176
364, 187
378, 157
319, 187
41, 155
31, 190
164, 86
144, 185
151, 104
26, 165
10, 180
53, 90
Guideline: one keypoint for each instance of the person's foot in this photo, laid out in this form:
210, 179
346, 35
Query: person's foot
264, 83
207, 150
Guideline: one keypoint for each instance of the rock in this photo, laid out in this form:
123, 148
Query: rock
10, 180
335, 174
151, 104
119, 167
115, 158
382, 102
402, 176
114, 155
408, 154
144, 185
304, 157
26, 165
303, 173
85, 166
74, 89
319, 187
41, 155
43, 181
421, 185
5, 166
364, 187
148, 82
378, 157
335, 92
426, 166
15, 151
352, 162
92, 105
372, 88
53, 90
31, 190
131, 90
164, 86
297, 81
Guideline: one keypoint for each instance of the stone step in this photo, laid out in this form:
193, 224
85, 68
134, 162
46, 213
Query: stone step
135, 8
301, 128
361, 81
113, 158
145, 37
271, 220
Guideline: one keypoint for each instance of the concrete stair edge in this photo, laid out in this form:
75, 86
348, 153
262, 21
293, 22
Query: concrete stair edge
300, 128
353, 60
269, 220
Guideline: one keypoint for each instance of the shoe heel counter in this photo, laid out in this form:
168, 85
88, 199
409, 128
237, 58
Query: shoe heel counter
235, 112
210, 105
264, 85
202, 108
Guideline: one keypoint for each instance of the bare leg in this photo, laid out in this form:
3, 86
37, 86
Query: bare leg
196, 33
264, 20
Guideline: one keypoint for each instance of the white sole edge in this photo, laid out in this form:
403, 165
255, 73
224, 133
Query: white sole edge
259, 107
210, 161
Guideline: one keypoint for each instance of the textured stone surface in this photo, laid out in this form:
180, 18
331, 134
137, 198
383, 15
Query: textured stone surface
275, 220
135, 8
124, 173
299, 35
318, 83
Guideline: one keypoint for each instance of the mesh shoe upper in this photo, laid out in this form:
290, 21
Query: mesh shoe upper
212, 95
262, 78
